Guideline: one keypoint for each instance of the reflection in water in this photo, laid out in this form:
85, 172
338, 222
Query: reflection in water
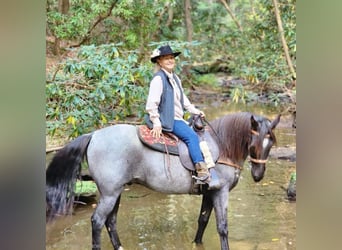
158, 220
259, 215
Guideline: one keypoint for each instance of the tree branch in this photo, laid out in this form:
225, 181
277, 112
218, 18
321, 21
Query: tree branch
79, 86
283, 41
99, 19
59, 67
232, 14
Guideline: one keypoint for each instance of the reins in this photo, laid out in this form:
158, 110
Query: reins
205, 120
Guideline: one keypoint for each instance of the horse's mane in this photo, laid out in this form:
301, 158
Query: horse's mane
232, 134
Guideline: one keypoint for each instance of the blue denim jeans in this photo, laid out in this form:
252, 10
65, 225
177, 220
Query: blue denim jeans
190, 138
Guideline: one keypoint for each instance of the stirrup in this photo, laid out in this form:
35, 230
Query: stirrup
200, 180
203, 178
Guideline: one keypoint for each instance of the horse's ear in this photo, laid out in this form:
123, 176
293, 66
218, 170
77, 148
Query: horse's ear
275, 122
254, 124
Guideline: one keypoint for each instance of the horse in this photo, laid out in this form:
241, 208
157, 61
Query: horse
116, 157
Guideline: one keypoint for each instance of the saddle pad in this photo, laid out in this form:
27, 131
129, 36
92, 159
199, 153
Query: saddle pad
169, 143
166, 143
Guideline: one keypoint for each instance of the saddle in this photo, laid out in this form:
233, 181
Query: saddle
169, 143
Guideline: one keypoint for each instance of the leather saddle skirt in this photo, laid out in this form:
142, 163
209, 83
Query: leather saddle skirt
168, 143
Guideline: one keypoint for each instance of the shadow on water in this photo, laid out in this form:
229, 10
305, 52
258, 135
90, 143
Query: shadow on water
259, 215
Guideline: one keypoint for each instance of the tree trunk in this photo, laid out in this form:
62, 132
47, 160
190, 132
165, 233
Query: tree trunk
56, 46
188, 22
169, 9
252, 8
170, 15
283, 41
189, 30
232, 14
63, 7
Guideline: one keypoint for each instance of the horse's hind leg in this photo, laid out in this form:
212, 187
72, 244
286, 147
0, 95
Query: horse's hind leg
111, 225
105, 206
203, 219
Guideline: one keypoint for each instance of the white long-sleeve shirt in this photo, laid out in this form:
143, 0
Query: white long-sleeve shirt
154, 96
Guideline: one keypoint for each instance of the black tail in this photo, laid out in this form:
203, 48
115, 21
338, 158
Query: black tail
61, 176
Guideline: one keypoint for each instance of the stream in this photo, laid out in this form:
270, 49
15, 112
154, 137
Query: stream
260, 216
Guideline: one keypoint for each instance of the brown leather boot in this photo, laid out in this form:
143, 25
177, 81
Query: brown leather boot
207, 176
202, 172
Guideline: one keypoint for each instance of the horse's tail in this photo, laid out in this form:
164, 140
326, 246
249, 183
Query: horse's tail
61, 176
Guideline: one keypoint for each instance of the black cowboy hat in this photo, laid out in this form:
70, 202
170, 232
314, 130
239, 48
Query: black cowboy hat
162, 51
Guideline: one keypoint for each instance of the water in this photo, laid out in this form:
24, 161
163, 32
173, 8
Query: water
259, 215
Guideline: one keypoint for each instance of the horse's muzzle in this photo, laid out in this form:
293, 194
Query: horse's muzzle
258, 171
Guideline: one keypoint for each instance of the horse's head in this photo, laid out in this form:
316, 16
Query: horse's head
262, 139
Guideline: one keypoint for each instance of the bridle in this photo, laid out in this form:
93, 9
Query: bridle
259, 161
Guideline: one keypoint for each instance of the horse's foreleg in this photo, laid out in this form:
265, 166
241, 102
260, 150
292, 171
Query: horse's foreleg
111, 225
220, 202
203, 219
99, 217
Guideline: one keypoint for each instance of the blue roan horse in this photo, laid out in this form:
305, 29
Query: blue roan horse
116, 157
